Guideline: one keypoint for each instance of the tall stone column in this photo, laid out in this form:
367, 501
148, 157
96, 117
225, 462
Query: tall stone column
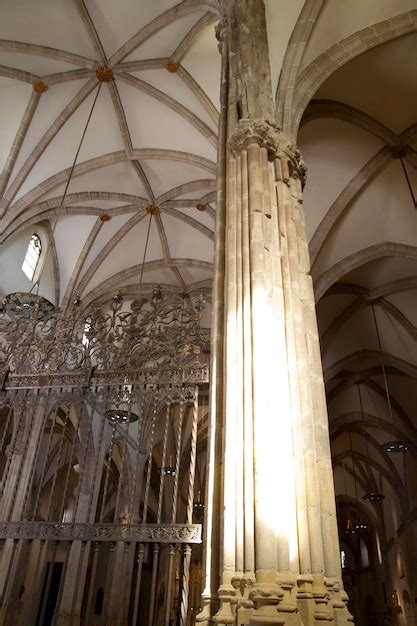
69, 605
274, 555
29, 420
30, 416
116, 606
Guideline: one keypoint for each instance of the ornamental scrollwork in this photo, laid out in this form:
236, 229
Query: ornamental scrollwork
153, 336
143, 533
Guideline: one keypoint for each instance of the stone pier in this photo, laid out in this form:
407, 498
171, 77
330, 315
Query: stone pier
272, 550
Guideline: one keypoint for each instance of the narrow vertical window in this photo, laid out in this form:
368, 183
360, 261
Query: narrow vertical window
32, 256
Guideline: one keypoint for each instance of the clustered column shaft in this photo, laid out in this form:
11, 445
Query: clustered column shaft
278, 555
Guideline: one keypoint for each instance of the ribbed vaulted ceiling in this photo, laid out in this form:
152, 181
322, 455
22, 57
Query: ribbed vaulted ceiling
151, 141
347, 74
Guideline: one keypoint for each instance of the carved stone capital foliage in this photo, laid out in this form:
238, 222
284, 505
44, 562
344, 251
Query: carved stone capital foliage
269, 136
221, 27
221, 31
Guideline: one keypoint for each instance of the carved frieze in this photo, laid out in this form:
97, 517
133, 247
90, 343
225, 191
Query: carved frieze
143, 533
199, 374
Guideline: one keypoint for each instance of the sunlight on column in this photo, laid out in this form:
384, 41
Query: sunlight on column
274, 487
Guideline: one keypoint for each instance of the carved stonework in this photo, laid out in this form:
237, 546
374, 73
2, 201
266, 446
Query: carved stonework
266, 599
171, 66
269, 136
198, 374
221, 31
339, 601
41, 346
145, 533
39, 86
261, 132
399, 152
227, 599
287, 584
321, 598
152, 209
104, 74
244, 607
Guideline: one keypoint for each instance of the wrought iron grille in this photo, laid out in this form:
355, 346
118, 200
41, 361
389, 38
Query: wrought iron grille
96, 407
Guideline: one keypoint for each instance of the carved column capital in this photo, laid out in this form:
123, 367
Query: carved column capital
19, 447
221, 31
267, 135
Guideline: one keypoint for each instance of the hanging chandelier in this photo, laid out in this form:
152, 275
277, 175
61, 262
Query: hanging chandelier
27, 304
198, 506
122, 413
356, 524
373, 496
169, 469
395, 446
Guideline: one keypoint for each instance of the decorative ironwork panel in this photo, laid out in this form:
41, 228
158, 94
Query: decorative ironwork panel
142, 533
197, 375
161, 333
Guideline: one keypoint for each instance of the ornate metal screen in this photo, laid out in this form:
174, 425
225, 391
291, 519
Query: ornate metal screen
100, 414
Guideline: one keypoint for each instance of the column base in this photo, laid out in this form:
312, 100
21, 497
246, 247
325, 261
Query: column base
266, 599
204, 616
227, 610
303, 600
321, 596
339, 601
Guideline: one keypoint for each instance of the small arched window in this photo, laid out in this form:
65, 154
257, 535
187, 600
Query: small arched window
32, 256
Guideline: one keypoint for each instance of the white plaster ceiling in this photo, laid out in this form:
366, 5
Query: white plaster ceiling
362, 228
370, 73
281, 18
151, 140
339, 20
